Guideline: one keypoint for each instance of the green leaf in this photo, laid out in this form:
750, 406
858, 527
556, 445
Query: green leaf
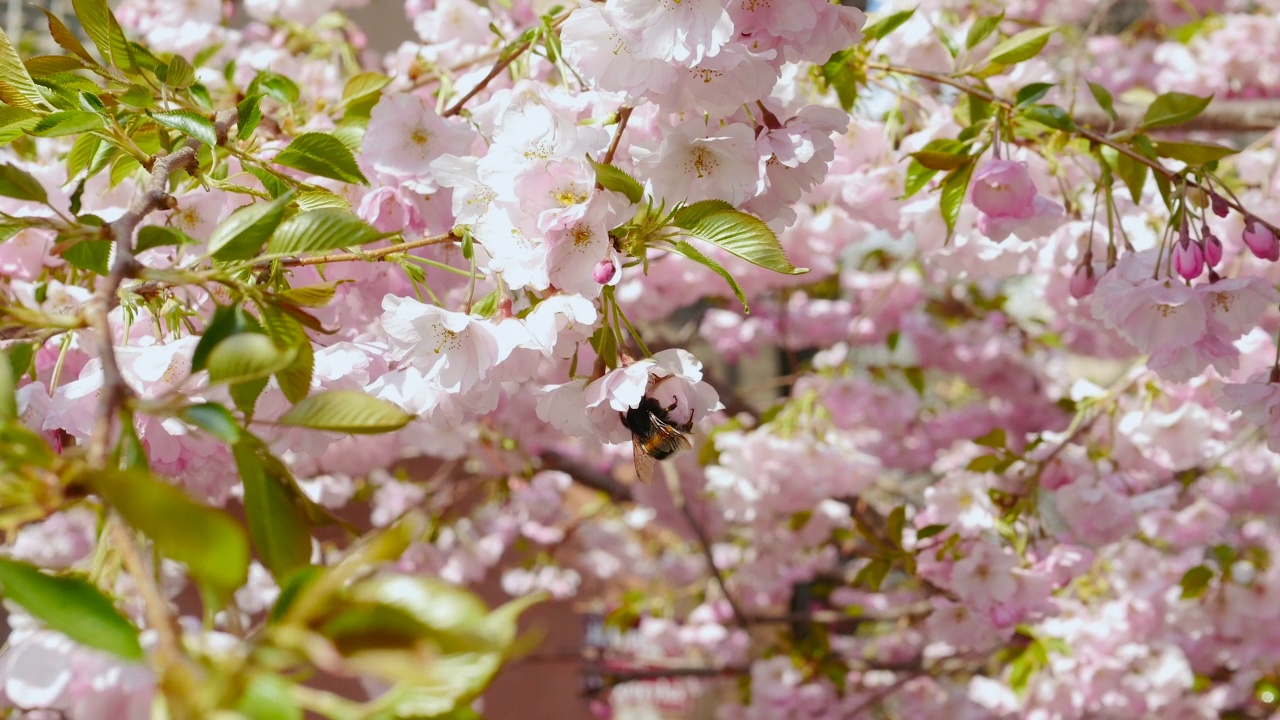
281, 88
1023, 46
44, 65
915, 377
1134, 175
692, 253
247, 356
19, 184
226, 321
153, 236
248, 114
245, 396
981, 29
994, 439
917, 177
214, 419
348, 411
189, 123
1103, 96
321, 154
8, 389
321, 230
138, 96
611, 177
942, 154
453, 615
736, 232
180, 73
1174, 108
872, 574
310, 295
929, 531
212, 544
362, 85
894, 524
295, 380
71, 606
984, 463
83, 150
269, 697
885, 25
954, 188
16, 86
1193, 153
1050, 116
67, 122
1031, 93
241, 235
840, 73
277, 523
1195, 582
91, 255
66, 39
104, 30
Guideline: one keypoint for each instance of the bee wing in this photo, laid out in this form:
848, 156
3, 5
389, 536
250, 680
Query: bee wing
644, 461
673, 441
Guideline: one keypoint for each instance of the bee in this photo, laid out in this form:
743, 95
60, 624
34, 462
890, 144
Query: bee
653, 436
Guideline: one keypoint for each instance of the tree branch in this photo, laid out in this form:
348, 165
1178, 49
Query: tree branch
371, 255
587, 476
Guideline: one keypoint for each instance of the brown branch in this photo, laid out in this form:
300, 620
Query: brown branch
352, 257
504, 61
705, 544
624, 114
1087, 134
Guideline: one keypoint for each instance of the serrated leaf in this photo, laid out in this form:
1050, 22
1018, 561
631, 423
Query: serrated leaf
981, 29
885, 25
917, 177
214, 419
104, 30
241, 235
67, 122
1023, 46
21, 185
153, 236
281, 88
317, 230
1103, 96
1195, 582
348, 411
123, 167
138, 96
693, 254
736, 232
44, 65
179, 74
212, 544
310, 295
245, 357
16, 86
277, 524
954, 189
71, 606
321, 199
1174, 108
611, 177
245, 395
249, 115
1193, 153
83, 150
189, 123
362, 85
295, 380
66, 39
91, 255
321, 154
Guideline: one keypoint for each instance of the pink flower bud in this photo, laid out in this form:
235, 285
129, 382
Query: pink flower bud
1003, 188
1188, 260
604, 271
1261, 241
1219, 205
1083, 281
1212, 247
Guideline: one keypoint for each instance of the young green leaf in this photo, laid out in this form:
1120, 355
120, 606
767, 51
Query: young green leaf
1134, 175
42, 66
1023, 46
954, 189
247, 356
917, 177
318, 230
179, 74
189, 123
67, 122
887, 24
321, 154
91, 255
611, 177
71, 606
241, 235
214, 419
1174, 108
16, 86
736, 232
693, 254
362, 85
226, 321
153, 236
1195, 582
21, 185
1050, 116
66, 39
8, 390
348, 411
207, 540
981, 29
277, 524
1103, 96
269, 697
104, 30
1193, 153
1028, 94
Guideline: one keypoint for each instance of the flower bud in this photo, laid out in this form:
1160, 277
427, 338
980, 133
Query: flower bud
1212, 247
1083, 281
1188, 260
1261, 241
604, 271
1003, 188
1219, 205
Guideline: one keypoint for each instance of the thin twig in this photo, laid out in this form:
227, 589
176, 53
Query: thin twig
371, 255
624, 114
705, 544
504, 61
